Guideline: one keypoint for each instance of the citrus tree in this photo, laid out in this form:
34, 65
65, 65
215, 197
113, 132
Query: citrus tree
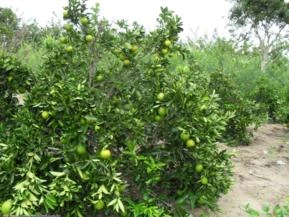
232, 75
245, 111
113, 128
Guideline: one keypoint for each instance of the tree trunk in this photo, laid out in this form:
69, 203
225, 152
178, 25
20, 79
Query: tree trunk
264, 58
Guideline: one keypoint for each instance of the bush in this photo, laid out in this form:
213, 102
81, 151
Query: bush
283, 112
112, 127
245, 112
14, 79
268, 96
273, 98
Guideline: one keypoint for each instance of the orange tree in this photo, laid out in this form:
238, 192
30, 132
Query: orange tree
271, 97
112, 128
245, 111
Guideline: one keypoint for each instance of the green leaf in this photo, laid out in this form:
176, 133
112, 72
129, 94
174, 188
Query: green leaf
120, 205
113, 202
57, 174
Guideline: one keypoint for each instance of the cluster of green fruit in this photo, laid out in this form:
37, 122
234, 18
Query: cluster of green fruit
166, 46
190, 143
126, 53
162, 111
81, 150
84, 22
185, 136
104, 154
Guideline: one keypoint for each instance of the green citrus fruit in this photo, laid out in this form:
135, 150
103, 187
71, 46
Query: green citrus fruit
158, 118
162, 111
89, 38
161, 96
185, 69
69, 49
116, 51
65, 14
199, 168
185, 136
105, 154
6, 207
68, 26
126, 62
190, 143
164, 51
81, 150
204, 180
10, 78
63, 40
99, 77
84, 21
155, 58
128, 45
122, 56
202, 199
45, 115
133, 48
167, 43
96, 128
99, 205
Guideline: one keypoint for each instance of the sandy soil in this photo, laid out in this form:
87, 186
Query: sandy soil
261, 173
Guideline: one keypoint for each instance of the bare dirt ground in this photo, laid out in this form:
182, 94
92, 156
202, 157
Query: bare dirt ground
261, 173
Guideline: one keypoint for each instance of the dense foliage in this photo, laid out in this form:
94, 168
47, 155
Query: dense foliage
112, 126
118, 121
245, 111
260, 11
243, 87
8, 24
14, 78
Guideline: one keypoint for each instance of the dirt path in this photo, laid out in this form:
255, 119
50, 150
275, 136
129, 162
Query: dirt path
261, 172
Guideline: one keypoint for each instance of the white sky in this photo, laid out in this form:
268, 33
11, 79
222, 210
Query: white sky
199, 17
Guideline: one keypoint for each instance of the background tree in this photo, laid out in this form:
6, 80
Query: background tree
265, 20
8, 24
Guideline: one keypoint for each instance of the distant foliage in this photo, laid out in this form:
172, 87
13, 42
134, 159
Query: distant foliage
245, 112
8, 25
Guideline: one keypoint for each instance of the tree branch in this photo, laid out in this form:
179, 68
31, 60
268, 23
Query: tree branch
277, 36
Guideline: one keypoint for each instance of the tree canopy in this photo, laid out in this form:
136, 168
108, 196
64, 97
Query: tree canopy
260, 11
8, 22
266, 20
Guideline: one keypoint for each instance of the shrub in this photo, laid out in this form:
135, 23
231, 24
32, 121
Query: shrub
102, 131
268, 96
245, 112
14, 78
